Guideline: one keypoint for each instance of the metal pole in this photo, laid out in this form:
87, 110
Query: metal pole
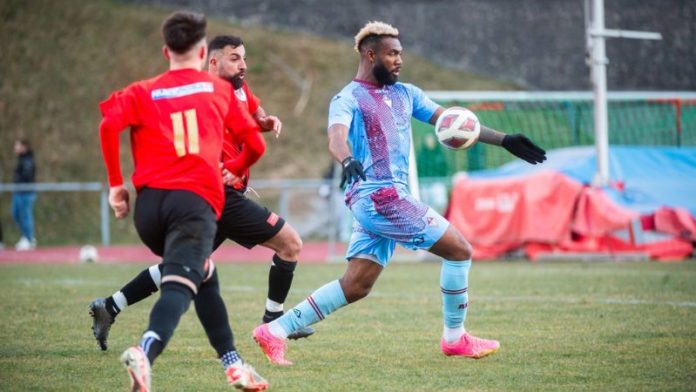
284, 202
599, 73
104, 204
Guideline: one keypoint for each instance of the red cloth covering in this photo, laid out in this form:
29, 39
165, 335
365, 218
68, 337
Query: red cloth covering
676, 221
596, 214
550, 213
497, 215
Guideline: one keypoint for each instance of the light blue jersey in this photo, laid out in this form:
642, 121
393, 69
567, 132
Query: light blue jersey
379, 123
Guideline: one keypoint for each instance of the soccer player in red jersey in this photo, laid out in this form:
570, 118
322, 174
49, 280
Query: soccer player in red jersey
242, 221
177, 121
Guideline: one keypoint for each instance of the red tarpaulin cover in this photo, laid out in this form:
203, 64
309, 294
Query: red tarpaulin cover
547, 212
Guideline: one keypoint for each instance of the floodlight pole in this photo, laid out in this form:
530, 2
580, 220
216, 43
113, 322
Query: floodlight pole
596, 35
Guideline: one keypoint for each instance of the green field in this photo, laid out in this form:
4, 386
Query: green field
562, 326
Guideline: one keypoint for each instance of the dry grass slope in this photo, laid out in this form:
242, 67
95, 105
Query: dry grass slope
62, 57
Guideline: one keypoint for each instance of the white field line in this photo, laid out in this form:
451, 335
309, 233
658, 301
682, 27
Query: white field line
110, 285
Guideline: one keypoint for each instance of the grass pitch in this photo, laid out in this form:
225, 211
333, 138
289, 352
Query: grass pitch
569, 326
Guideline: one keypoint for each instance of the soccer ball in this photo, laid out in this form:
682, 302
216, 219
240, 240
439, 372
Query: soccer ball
457, 128
89, 254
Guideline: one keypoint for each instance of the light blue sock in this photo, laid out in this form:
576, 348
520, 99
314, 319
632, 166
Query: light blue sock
454, 284
316, 307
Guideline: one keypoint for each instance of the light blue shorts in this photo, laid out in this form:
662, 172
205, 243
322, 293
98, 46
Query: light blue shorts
387, 217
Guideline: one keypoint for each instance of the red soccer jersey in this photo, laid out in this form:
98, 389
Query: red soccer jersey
177, 121
232, 148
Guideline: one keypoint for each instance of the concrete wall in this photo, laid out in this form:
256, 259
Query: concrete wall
539, 44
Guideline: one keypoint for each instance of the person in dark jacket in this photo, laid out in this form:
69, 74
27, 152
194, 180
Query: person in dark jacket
23, 201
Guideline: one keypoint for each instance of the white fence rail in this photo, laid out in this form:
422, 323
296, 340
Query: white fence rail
326, 217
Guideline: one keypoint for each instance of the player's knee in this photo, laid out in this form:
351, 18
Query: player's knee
175, 275
461, 249
292, 247
174, 286
465, 250
211, 282
355, 291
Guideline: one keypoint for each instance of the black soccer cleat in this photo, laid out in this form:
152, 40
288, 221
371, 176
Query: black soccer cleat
101, 321
302, 333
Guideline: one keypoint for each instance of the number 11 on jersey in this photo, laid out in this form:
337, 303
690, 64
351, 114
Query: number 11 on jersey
191, 130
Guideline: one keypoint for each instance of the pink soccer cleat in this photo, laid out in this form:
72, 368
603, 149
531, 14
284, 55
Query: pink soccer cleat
272, 346
242, 376
138, 367
470, 346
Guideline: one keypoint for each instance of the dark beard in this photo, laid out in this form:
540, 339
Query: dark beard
383, 76
236, 80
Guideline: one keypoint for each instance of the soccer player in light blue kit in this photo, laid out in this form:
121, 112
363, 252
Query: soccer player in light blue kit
373, 113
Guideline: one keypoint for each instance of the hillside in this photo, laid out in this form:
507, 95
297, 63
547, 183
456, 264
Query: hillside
62, 57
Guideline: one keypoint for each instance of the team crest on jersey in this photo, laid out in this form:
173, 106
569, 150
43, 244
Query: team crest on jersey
387, 100
241, 94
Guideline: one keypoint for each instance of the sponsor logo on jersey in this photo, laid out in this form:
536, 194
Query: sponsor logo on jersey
272, 219
432, 222
182, 91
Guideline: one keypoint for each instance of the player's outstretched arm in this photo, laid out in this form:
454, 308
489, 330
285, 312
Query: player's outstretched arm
338, 146
516, 144
523, 148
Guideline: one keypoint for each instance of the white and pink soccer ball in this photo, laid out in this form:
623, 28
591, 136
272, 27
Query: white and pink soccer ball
457, 128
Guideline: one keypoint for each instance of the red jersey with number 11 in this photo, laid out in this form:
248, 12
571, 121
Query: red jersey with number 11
177, 121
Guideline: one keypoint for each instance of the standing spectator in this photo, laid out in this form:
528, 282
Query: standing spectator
23, 201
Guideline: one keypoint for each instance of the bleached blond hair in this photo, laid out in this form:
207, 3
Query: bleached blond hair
374, 28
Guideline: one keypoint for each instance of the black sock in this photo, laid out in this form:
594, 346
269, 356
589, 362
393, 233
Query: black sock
111, 307
280, 279
140, 287
172, 304
269, 316
153, 347
212, 314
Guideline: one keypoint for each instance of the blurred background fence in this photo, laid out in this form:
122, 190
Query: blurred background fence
557, 119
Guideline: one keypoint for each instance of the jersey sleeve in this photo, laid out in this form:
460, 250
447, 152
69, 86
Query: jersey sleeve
244, 130
119, 112
253, 148
423, 107
120, 108
341, 110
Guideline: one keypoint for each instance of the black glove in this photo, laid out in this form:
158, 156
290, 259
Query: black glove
523, 148
352, 169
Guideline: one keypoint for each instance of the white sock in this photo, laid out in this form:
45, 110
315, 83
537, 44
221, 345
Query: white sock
451, 335
273, 306
277, 330
120, 300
